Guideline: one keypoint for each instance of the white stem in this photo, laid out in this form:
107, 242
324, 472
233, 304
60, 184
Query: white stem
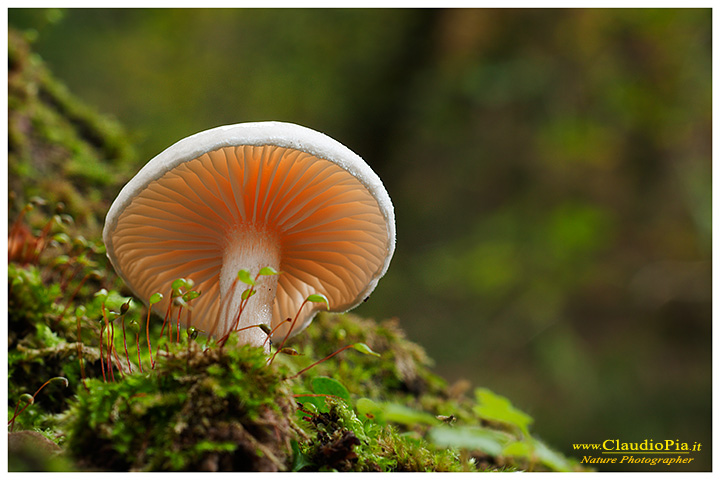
248, 248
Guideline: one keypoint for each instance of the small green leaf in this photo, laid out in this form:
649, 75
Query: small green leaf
330, 386
155, 298
318, 402
518, 449
318, 298
102, 293
369, 409
310, 407
362, 348
300, 460
268, 271
248, 293
395, 412
498, 408
471, 438
244, 276
549, 457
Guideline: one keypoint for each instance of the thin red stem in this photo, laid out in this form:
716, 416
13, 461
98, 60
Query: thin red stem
41, 240
109, 345
287, 335
72, 297
127, 355
243, 304
178, 325
102, 355
147, 333
114, 352
12, 420
80, 351
137, 344
167, 315
272, 332
77, 268
319, 361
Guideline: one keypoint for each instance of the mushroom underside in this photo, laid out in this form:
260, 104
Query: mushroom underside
249, 207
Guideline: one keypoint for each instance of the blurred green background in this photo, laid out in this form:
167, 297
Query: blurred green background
550, 170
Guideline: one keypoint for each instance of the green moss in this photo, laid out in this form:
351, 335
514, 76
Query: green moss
198, 410
59, 147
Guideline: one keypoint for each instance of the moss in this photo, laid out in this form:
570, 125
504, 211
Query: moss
200, 409
342, 442
59, 147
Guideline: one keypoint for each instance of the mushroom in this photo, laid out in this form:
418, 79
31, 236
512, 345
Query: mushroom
245, 197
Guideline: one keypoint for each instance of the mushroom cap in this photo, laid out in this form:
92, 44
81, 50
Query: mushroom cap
331, 213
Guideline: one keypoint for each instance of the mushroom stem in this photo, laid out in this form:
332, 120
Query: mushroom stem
248, 248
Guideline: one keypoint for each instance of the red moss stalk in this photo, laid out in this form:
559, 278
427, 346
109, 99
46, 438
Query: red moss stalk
102, 354
147, 333
319, 361
287, 335
72, 297
137, 344
127, 355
